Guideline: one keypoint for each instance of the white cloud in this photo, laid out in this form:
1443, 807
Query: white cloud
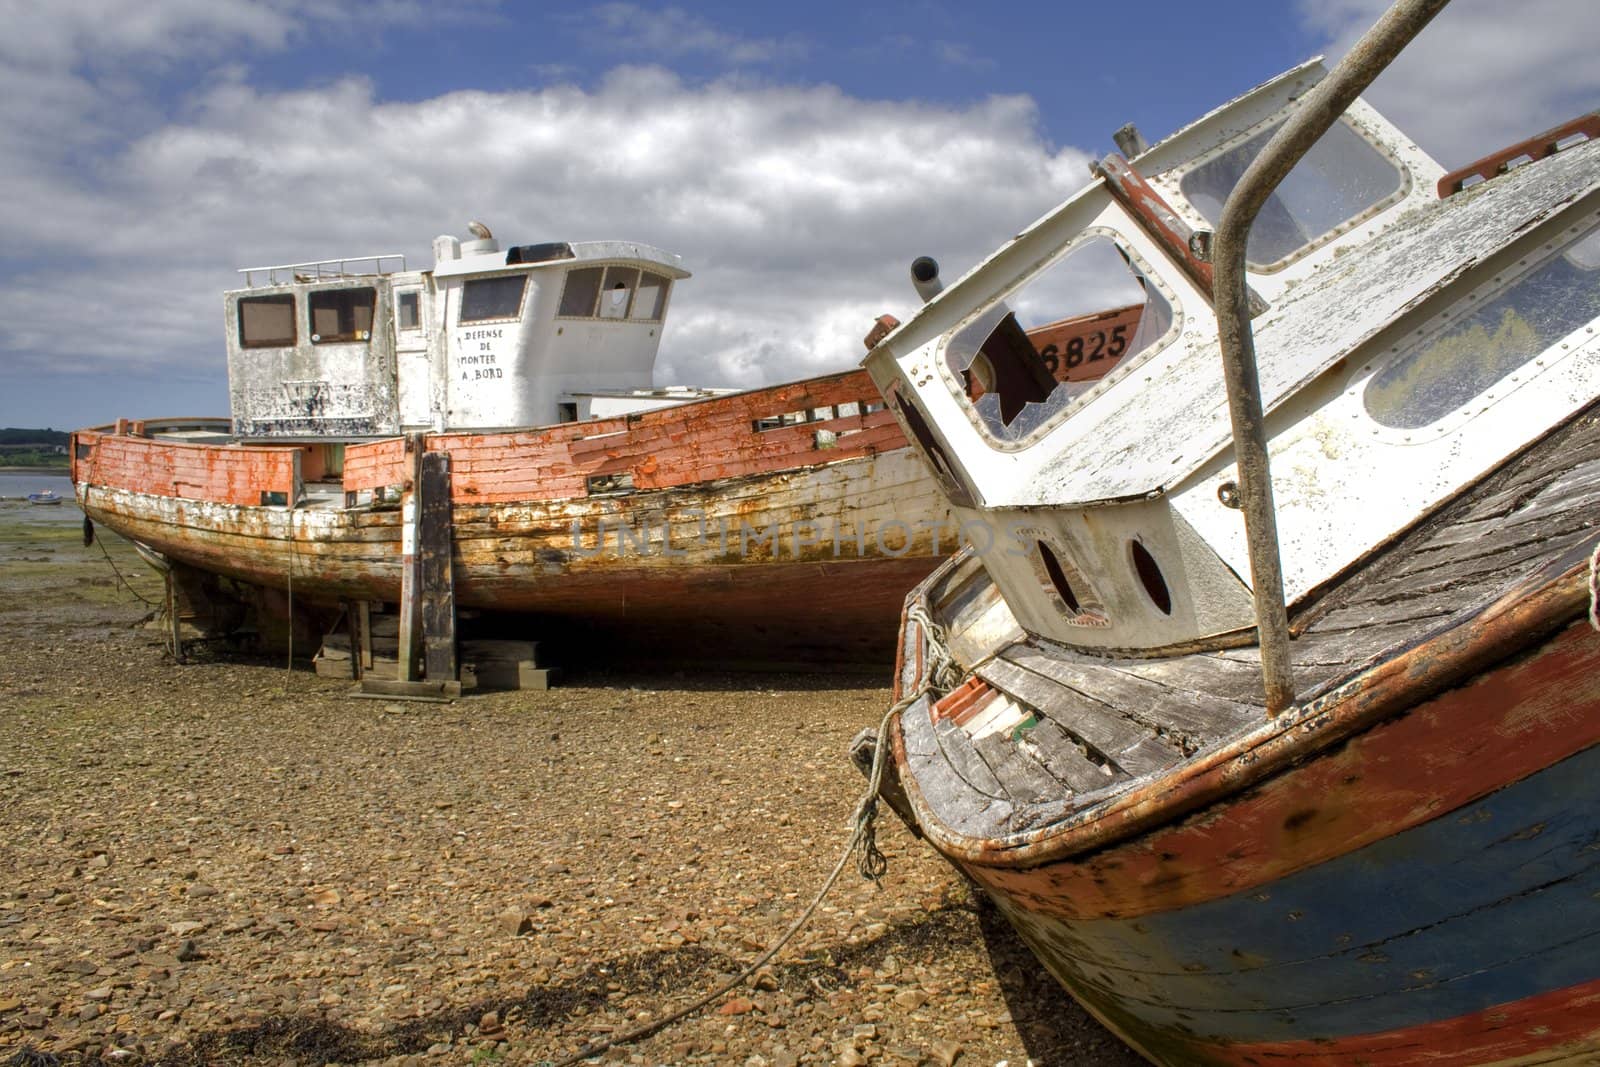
798, 210
1483, 74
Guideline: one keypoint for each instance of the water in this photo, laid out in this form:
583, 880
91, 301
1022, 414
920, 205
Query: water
14, 485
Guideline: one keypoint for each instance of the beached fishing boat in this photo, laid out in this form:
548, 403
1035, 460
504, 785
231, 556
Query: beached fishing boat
1317, 792
45, 496
782, 524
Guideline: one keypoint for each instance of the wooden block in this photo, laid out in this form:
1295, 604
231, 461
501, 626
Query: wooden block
334, 668
448, 690
517, 676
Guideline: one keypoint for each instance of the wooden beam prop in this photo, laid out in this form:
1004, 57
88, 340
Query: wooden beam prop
436, 577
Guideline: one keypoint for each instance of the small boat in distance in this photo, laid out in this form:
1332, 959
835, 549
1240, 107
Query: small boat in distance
45, 496
1386, 852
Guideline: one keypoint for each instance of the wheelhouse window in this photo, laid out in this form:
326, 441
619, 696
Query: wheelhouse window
616, 294
580, 293
266, 321
1481, 345
651, 300
1027, 358
483, 299
342, 315
408, 309
1343, 179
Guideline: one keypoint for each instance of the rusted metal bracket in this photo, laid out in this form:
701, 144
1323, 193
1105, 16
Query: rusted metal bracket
1189, 248
1548, 143
1320, 110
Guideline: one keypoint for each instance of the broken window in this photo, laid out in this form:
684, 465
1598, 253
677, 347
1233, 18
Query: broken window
1342, 179
342, 315
580, 293
408, 309
617, 292
1026, 358
651, 299
483, 299
266, 321
1478, 346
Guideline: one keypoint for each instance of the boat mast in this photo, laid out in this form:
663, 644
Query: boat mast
1321, 109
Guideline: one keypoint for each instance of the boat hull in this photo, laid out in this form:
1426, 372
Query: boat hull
1419, 887
796, 566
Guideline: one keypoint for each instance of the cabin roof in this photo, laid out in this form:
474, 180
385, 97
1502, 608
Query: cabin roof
501, 260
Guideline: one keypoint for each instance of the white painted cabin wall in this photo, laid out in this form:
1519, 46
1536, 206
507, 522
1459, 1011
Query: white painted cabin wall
1344, 484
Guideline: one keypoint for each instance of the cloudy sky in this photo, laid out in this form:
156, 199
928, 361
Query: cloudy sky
797, 156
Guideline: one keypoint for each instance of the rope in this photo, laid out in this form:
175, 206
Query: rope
124, 582
942, 672
871, 863
1594, 587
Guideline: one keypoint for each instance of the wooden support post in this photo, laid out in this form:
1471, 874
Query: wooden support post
172, 615
362, 653
435, 543
352, 622
410, 586
427, 587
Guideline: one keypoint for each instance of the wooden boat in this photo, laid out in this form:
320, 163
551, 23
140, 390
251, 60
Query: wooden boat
1387, 852
779, 525
45, 496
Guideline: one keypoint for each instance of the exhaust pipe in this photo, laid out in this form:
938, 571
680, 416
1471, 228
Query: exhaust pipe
925, 277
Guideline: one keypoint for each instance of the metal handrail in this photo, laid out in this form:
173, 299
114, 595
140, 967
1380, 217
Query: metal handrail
318, 268
1321, 109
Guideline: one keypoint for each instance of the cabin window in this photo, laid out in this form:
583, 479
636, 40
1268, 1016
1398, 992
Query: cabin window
1504, 326
1342, 180
616, 294
582, 290
943, 470
408, 309
1026, 359
483, 299
651, 299
266, 321
342, 315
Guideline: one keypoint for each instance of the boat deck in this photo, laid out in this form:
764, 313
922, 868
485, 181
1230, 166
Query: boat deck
1044, 731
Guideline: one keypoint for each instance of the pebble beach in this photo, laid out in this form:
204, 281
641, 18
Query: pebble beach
229, 861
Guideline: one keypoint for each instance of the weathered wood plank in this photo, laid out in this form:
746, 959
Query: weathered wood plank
1100, 725
1061, 754
956, 749
1163, 702
438, 601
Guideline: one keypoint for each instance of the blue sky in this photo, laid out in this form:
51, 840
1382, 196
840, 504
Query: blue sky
797, 156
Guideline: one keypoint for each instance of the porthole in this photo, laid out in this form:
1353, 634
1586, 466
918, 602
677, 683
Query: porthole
1058, 578
1150, 576
1063, 583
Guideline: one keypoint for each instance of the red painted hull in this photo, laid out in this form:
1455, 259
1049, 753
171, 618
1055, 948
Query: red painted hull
737, 540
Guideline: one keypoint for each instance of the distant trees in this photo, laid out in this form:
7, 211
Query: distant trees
12, 435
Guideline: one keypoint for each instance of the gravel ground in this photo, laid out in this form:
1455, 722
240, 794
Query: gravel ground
226, 862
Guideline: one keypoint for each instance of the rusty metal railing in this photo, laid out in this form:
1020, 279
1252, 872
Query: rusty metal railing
1321, 109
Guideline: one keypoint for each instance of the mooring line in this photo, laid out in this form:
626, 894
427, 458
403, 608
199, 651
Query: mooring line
124, 582
870, 863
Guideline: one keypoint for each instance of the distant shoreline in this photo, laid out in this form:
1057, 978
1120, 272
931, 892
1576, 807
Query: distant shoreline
64, 471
